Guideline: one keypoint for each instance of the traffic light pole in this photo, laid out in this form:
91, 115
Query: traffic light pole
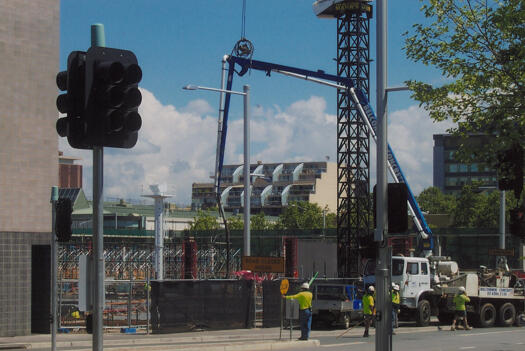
98, 39
383, 301
54, 269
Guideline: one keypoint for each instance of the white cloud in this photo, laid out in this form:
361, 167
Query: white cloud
410, 134
176, 146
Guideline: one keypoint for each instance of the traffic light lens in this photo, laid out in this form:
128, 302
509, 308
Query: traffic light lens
133, 74
133, 121
111, 72
132, 97
116, 97
63, 103
116, 121
62, 80
61, 126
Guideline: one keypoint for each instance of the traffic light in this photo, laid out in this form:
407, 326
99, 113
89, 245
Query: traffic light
72, 103
510, 170
113, 97
517, 221
63, 221
397, 208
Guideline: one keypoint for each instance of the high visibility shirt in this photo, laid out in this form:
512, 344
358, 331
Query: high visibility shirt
460, 301
395, 297
368, 303
304, 298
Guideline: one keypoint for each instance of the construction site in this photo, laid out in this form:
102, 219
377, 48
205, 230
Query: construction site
147, 277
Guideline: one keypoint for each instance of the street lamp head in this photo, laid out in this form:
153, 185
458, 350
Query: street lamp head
190, 87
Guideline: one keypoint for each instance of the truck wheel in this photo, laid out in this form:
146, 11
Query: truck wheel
507, 315
345, 319
423, 313
487, 316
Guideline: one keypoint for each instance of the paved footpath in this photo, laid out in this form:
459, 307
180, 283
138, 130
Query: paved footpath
256, 339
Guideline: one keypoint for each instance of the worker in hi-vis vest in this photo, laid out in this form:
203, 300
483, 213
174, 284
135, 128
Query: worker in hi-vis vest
368, 308
304, 297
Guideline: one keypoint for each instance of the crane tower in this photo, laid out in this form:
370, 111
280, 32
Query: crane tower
354, 241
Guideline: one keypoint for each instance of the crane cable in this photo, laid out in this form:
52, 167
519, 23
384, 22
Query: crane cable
243, 47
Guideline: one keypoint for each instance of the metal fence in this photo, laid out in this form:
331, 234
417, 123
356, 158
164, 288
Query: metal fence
129, 264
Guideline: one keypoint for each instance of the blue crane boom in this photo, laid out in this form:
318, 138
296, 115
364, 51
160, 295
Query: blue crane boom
364, 107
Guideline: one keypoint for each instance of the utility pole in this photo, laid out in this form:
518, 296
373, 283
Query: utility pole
383, 301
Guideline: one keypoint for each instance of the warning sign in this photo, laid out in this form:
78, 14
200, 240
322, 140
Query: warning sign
263, 264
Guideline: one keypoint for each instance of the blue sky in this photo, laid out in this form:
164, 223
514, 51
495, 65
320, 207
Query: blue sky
183, 42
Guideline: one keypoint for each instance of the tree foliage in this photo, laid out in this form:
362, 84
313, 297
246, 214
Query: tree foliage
235, 222
259, 222
479, 47
301, 215
432, 200
473, 207
204, 221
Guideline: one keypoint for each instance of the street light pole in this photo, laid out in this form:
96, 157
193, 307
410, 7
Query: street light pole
246, 170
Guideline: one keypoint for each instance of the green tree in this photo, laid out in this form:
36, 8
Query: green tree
479, 47
259, 222
204, 221
235, 223
476, 209
331, 220
433, 201
301, 215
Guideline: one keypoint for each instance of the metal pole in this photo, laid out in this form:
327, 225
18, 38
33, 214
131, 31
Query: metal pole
147, 301
247, 191
159, 237
98, 39
502, 219
502, 260
217, 156
383, 303
130, 273
54, 269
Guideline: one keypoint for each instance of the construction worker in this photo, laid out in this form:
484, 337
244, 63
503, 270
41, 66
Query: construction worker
461, 311
395, 306
304, 297
368, 308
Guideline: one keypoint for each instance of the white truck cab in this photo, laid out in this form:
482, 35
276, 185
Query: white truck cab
412, 274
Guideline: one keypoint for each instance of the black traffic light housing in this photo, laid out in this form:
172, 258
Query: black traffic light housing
63, 220
72, 103
397, 208
517, 221
510, 170
113, 97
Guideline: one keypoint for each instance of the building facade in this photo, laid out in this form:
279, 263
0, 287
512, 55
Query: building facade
29, 51
274, 186
450, 175
69, 173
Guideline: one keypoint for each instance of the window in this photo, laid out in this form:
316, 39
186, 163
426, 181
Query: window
412, 268
452, 167
397, 266
424, 268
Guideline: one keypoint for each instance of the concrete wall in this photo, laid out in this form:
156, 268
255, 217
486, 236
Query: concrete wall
317, 256
326, 189
29, 51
